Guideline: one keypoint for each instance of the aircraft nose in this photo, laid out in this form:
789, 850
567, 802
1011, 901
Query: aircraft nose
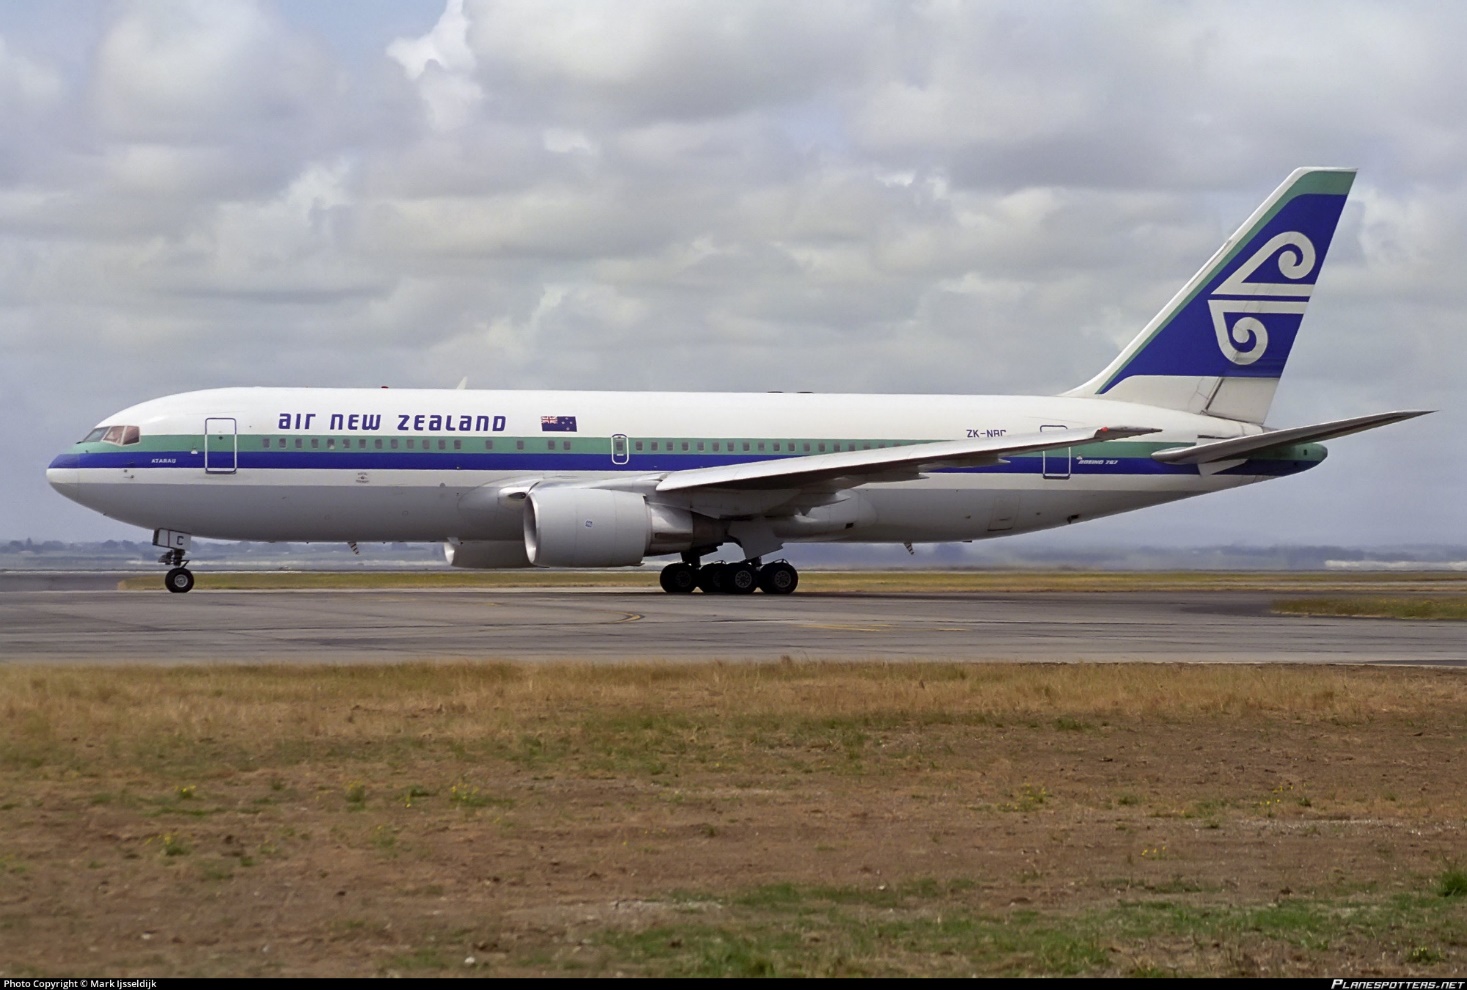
64, 476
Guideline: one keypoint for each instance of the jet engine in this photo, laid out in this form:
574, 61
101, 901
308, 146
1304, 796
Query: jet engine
598, 527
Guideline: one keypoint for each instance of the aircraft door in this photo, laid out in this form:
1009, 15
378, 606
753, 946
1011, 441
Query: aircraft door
221, 445
619, 452
1056, 462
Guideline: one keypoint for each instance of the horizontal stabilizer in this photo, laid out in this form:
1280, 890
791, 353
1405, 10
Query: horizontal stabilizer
909, 459
1221, 450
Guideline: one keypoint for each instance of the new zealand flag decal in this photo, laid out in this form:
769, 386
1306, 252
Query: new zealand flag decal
558, 424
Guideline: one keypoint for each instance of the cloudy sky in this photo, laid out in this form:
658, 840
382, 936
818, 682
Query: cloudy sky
838, 196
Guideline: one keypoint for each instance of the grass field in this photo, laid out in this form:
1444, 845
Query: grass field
784, 819
1379, 606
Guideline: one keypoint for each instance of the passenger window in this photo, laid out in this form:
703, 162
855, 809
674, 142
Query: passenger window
488, 444
377, 443
746, 445
393, 443
761, 446
411, 444
807, 448
442, 444
700, 445
458, 445
715, 446
315, 443
549, 444
362, 444
519, 445
822, 448
654, 444
299, 443
685, 445
638, 445
266, 443
330, 443
565, 445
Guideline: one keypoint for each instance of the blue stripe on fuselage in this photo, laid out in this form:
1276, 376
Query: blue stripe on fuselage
534, 461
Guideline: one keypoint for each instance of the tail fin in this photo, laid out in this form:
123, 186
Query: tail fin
1220, 345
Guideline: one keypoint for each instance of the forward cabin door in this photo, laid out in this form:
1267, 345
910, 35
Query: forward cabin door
1056, 462
221, 445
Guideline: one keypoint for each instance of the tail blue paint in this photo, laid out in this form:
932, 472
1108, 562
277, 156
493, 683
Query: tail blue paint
1221, 344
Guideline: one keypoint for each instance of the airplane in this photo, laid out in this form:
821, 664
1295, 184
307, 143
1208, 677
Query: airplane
606, 479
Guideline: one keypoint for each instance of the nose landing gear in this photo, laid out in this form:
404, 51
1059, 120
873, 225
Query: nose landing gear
179, 579
719, 578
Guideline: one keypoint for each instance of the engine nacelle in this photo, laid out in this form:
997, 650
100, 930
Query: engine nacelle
598, 527
486, 554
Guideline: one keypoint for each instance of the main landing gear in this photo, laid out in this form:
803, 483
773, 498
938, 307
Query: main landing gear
719, 578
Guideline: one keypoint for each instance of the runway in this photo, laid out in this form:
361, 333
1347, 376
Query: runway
296, 627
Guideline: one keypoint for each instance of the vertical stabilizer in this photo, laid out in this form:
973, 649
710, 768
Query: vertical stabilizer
1220, 345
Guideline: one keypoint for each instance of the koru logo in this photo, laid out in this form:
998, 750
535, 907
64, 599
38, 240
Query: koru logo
1246, 339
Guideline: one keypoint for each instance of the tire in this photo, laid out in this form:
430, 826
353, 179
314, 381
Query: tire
179, 580
710, 578
741, 579
678, 579
778, 578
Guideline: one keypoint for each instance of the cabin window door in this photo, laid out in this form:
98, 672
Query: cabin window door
221, 445
1056, 462
619, 448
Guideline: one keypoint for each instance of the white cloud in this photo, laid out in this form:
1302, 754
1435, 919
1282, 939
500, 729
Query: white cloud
842, 196
201, 71
27, 86
442, 65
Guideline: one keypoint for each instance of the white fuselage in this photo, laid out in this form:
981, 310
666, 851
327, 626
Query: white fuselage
295, 464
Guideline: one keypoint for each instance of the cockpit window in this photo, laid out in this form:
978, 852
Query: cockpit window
122, 436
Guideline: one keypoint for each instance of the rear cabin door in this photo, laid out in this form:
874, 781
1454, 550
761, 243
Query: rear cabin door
1056, 462
221, 445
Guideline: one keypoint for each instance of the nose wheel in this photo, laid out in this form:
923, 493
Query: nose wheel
179, 579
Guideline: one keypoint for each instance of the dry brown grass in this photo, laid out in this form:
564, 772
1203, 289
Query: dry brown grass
680, 818
263, 707
1379, 606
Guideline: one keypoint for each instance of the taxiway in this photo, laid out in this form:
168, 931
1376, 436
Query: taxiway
106, 626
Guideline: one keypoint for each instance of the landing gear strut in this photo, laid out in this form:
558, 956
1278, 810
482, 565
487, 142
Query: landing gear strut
719, 578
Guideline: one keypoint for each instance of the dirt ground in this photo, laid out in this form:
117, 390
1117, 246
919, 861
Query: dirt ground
1235, 822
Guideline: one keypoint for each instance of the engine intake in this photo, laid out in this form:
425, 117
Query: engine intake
598, 527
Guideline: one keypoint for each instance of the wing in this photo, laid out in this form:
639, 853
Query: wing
1246, 446
853, 467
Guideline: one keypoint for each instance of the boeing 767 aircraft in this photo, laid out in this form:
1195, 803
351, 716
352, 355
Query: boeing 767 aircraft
606, 479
